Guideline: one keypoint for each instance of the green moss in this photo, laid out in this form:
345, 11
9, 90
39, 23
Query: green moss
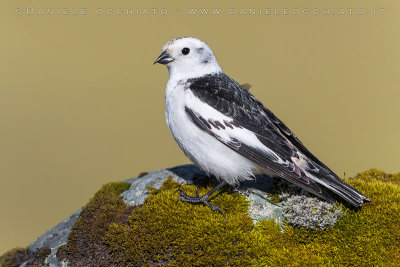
85, 241
14, 257
167, 230
18, 256
375, 174
368, 237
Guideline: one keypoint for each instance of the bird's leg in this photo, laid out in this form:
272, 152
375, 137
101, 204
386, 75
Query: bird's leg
203, 199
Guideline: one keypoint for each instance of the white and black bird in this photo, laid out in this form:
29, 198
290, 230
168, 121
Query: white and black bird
228, 133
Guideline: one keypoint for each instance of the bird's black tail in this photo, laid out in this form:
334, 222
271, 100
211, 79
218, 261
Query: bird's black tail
332, 182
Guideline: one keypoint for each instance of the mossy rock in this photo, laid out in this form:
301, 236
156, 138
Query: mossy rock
85, 246
166, 231
366, 237
29, 258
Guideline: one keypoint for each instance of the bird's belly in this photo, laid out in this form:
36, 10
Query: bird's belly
205, 151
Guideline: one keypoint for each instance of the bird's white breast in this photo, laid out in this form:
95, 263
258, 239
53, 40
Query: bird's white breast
203, 149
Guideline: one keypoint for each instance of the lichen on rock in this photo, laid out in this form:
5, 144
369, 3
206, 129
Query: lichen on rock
162, 230
289, 204
310, 212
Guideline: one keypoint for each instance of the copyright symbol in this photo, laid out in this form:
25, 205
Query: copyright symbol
19, 11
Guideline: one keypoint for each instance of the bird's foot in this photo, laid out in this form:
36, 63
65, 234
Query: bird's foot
203, 199
197, 199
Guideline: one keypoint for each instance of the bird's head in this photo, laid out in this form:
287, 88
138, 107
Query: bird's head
188, 58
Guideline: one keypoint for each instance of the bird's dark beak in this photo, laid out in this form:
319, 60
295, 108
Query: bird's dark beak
164, 58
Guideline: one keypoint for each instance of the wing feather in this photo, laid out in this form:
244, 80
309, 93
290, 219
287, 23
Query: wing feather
227, 97
288, 170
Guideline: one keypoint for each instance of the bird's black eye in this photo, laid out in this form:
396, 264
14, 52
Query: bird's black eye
185, 51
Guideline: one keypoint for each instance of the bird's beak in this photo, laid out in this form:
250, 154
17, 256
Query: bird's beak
164, 58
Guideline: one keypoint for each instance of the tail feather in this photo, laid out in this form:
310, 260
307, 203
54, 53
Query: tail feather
337, 186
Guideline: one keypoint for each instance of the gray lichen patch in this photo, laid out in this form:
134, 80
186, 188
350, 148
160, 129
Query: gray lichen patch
274, 198
310, 212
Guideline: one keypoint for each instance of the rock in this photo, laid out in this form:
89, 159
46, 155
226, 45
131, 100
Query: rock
55, 238
256, 190
259, 192
309, 212
185, 174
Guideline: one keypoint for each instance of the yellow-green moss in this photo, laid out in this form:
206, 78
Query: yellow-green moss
167, 231
368, 237
375, 174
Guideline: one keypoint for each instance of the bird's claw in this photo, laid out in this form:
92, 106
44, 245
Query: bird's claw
213, 207
185, 197
197, 199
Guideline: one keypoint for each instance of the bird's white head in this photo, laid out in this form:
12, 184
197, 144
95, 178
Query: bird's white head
188, 58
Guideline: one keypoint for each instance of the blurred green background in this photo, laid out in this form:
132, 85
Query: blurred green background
82, 105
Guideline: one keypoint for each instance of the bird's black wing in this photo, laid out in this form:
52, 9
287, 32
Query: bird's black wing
229, 98
295, 141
